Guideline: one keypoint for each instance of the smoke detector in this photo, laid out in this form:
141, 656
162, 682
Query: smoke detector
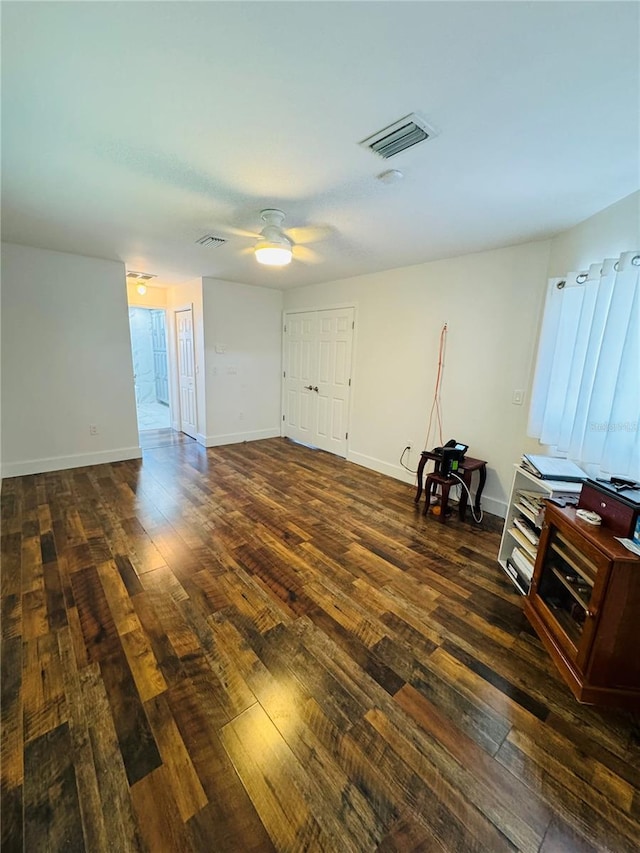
397, 137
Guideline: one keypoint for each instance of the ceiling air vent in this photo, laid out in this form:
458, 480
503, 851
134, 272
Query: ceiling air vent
399, 136
140, 276
211, 241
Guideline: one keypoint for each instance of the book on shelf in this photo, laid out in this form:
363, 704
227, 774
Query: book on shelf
528, 513
522, 584
533, 502
522, 563
528, 531
523, 542
552, 468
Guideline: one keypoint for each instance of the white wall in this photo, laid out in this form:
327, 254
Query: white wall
491, 302
66, 362
155, 297
243, 343
610, 232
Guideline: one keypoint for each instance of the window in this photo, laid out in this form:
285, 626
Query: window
585, 402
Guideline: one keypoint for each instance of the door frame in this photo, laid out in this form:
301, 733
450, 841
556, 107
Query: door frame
337, 307
164, 308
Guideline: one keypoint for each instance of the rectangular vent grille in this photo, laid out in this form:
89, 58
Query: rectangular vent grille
399, 136
211, 241
140, 276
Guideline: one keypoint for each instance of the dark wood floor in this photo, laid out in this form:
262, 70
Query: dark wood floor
263, 647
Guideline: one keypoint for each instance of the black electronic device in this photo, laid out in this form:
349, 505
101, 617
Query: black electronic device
452, 458
452, 444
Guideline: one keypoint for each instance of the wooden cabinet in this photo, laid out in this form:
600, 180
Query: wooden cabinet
584, 604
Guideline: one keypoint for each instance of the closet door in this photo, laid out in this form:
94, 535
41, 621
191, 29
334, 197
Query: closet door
300, 358
317, 377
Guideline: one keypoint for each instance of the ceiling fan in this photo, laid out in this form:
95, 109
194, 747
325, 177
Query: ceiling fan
275, 246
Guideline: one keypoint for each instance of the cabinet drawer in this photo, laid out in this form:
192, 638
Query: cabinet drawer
617, 515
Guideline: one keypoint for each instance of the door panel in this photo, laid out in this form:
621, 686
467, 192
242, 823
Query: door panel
186, 372
338, 419
317, 351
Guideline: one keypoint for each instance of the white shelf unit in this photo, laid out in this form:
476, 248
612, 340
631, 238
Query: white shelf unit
523, 481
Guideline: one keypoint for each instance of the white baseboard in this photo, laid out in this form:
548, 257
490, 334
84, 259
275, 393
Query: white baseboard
395, 471
61, 463
201, 439
239, 437
489, 504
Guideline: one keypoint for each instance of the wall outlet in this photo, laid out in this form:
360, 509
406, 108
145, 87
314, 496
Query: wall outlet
93, 429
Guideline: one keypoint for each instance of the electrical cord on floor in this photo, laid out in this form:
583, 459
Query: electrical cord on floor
406, 467
471, 507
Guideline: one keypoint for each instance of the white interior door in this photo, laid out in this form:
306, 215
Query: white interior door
317, 377
186, 372
333, 378
300, 367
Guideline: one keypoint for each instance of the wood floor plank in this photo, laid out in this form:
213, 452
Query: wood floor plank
137, 744
93, 824
161, 826
521, 817
144, 667
98, 626
229, 815
612, 827
262, 647
51, 810
298, 718
180, 772
274, 780
117, 596
44, 703
12, 764
115, 798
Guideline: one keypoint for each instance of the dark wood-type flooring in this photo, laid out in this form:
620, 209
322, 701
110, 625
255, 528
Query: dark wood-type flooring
262, 647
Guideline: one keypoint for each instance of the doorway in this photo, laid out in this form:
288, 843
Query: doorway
150, 368
317, 378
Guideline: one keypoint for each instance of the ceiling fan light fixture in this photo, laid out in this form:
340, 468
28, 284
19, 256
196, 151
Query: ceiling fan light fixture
272, 254
273, 249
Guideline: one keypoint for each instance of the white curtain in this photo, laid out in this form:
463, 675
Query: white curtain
586, 394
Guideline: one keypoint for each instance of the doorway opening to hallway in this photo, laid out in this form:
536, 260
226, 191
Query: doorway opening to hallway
150, 368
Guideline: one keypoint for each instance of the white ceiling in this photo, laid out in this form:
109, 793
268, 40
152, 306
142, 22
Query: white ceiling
129, 130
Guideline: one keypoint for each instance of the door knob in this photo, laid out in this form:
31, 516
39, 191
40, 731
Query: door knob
309, 387
315, 388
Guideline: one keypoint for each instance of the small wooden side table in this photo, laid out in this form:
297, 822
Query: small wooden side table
465, 471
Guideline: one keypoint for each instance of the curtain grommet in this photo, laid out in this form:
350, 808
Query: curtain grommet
580, 279
560, 284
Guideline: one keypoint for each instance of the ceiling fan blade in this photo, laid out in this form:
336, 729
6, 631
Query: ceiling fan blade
309, 234
240, 232
306, 255
248, 251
